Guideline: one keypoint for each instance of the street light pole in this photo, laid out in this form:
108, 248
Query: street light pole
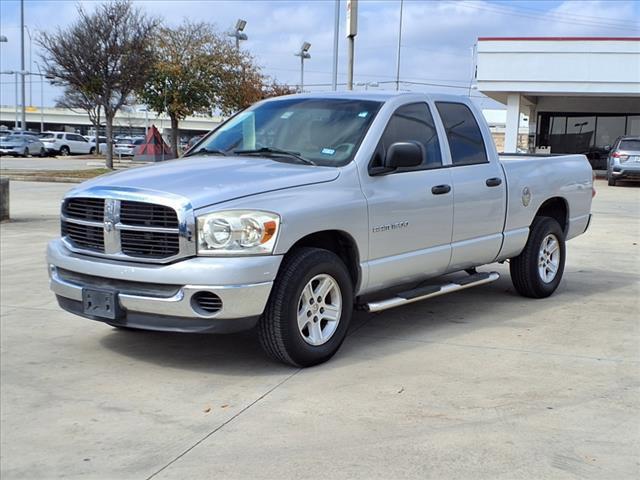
238, 32
336, 32
399, 46
352, 31
24, 115
303, 54
30, 64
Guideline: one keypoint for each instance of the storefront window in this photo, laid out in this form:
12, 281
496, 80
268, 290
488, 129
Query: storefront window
633, 125
608, 130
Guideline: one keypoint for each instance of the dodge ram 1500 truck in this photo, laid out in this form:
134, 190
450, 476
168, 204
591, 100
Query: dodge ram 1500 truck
299, 209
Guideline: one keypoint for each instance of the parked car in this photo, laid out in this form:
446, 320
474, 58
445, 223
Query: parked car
303, 207
192, 141
127, 147
22, 145
16, 133
92, 141
65, 143
624, 160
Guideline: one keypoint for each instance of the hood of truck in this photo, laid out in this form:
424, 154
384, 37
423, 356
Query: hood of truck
209, 180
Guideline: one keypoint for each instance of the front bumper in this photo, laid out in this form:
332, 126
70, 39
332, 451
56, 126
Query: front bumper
160, 297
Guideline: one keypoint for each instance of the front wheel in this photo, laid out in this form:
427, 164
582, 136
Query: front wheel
309, 310
92, 150
25, 154
43, 152
537, 271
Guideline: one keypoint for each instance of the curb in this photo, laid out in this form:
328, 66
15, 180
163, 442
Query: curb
27, 178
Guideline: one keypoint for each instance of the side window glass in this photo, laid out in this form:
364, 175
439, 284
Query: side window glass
463, 133
414, 123
60, 136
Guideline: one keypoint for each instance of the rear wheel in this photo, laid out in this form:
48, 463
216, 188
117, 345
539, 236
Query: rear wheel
537, 271
92, 150
26, 152
43, 152
309, 310
611, 181
64, 151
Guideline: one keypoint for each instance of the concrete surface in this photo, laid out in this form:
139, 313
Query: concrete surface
482, 384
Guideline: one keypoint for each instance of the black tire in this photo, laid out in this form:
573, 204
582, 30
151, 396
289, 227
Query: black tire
524, 270
92, 150
43, 152
25, 154
611, 181
64, 151
278, 327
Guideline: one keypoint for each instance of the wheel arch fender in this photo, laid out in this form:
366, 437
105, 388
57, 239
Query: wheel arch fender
339, 242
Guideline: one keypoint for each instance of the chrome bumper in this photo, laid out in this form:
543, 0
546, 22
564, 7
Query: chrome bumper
243, 284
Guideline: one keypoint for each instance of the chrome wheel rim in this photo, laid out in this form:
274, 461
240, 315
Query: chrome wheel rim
319, 309
549, 258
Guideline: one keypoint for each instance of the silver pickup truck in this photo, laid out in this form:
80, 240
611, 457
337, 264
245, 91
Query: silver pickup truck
299, 209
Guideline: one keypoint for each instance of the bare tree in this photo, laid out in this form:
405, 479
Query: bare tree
74, 99
106, 53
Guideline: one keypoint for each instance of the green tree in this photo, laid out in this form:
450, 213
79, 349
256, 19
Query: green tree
198, 70
106, 55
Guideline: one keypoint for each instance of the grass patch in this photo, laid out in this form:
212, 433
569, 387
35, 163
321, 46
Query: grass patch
79, 174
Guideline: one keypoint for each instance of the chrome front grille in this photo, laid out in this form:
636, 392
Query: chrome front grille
126, 229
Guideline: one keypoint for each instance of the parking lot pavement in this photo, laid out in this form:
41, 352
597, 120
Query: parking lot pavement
478, 384
49, 163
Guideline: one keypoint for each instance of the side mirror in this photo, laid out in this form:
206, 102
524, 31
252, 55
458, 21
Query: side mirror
403, 154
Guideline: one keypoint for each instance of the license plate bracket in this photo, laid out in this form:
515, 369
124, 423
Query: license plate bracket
101, 303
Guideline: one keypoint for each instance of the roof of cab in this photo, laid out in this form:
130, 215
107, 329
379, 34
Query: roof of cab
378, 95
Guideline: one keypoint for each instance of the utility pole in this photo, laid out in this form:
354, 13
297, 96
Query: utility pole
24, 115
399, 47
352, 31
336, 33
303, 54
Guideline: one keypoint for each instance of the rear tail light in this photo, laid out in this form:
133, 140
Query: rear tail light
618, 155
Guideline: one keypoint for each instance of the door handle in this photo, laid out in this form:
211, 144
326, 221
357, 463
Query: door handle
493, 182
440, 189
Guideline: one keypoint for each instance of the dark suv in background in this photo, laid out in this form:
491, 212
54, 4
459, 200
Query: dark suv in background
624, 160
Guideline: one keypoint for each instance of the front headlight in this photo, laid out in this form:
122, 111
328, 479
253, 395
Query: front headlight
237, 232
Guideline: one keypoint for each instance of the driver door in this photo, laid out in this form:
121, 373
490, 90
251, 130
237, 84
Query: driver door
410, 210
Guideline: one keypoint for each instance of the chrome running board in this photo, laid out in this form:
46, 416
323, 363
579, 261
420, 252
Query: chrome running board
422, 293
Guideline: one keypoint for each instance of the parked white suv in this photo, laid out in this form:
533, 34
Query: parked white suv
64, 143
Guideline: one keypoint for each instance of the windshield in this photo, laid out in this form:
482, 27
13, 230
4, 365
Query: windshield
319, 130
633, 145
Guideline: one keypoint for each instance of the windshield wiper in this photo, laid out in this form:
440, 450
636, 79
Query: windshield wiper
207, 151
275, 151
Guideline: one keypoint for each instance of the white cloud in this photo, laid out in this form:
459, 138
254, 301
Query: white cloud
437, 35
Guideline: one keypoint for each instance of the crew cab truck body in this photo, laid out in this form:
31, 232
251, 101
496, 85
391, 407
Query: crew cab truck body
301, 207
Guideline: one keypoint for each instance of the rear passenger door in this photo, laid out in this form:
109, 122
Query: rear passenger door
77, 143
479, 190
410, 209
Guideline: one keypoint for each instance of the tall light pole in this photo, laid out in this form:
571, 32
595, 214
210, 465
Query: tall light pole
399, 47
336, 32
238, 33
24, 115
30, 64
352, 31
303, 54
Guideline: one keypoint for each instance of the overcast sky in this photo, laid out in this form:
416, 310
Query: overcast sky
437, 36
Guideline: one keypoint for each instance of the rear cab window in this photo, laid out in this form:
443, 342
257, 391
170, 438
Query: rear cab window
631, 145
463, 133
